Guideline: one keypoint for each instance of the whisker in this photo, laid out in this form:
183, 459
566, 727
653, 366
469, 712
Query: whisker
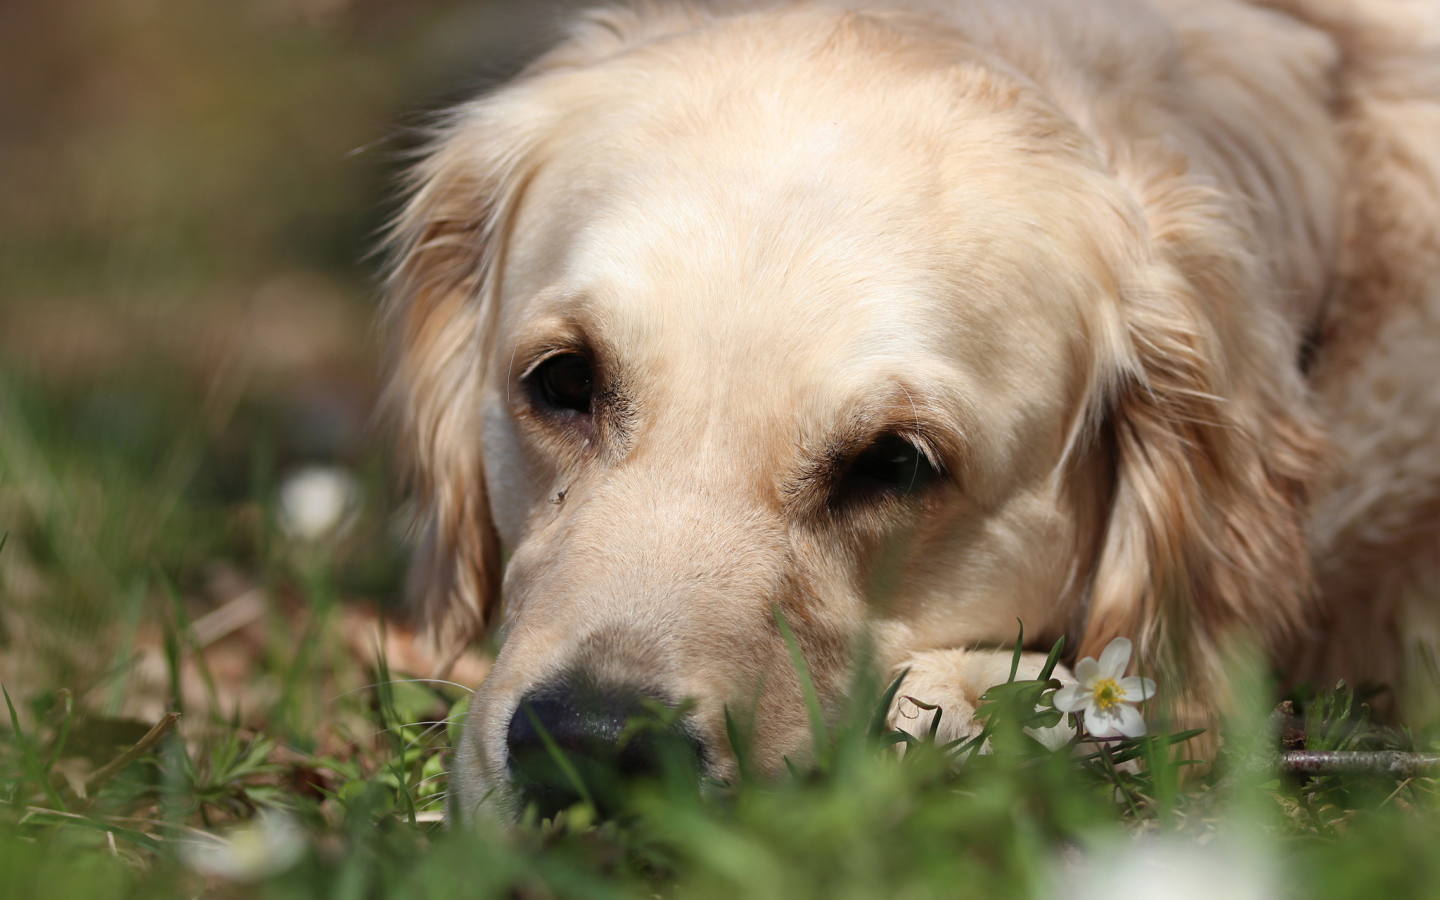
373, 734
425, 733
433, 725
400, 681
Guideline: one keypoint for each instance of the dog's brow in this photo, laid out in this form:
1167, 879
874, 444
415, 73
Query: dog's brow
537, 353
547, 338
902, 418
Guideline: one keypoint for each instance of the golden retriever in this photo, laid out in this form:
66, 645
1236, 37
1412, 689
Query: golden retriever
913, 319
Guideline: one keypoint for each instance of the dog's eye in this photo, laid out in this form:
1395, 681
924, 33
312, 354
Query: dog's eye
564, 382
890, 465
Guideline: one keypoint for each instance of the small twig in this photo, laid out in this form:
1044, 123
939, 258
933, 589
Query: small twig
229, 618
1395, 793
161, 823
108, 771
1262, 760
43, 811
1393, 763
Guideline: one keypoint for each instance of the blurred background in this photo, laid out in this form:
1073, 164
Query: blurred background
197, 503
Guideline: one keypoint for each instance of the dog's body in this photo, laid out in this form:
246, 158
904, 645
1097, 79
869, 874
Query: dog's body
1118, 318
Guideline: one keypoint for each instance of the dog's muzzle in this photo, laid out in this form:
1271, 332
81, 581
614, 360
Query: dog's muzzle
576, 741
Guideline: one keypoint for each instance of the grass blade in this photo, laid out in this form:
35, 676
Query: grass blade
185, 637
138, 838
960, 748
1052, 660
558, 755
738, 746
400, 779
892, 738
882, 708
68, 699
812, 700
1019, 644
790, 766
28, 757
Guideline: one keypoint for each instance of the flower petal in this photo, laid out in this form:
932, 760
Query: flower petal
1137, 688
1102, 724
1087, 672
1115, 658
1130, 723
1055, 737
1071, 698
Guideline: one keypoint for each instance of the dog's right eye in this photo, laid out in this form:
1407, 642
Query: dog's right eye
891, 466
564, 383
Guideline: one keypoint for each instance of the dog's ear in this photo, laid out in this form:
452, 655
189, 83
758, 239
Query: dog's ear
441, 295
447, 247
1214, 453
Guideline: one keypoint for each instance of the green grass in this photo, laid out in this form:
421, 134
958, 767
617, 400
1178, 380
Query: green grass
183, 317
350, 756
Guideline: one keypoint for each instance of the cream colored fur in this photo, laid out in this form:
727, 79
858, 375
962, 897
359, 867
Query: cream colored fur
1155, 284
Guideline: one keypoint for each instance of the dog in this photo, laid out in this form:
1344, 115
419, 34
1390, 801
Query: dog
891, 323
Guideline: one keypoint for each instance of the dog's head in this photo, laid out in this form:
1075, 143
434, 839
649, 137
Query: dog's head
701, 319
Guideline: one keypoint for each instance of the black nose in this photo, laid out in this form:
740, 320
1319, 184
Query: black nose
606, 738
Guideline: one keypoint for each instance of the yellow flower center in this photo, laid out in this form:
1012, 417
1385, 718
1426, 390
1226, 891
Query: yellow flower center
1107, 694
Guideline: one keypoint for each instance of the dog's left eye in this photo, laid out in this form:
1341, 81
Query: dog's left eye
890, 465
564, 383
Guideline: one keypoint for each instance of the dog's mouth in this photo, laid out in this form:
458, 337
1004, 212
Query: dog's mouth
578, 742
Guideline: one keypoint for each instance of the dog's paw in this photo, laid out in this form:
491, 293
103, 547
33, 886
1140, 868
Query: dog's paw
952, 682
937, 683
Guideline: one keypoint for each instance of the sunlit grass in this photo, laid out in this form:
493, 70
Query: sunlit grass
338, 761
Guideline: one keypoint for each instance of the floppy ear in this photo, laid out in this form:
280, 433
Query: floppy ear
447, 248
440, 295
1214, 451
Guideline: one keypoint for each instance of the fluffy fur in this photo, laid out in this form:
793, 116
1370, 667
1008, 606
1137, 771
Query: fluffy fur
1153, 284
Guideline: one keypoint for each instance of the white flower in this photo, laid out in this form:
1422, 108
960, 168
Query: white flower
1105, 696
1056, 737
266, 845
316, 500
